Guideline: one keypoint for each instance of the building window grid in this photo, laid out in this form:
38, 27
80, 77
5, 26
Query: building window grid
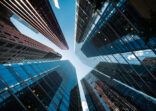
128, 93
21, 78
134, 45
38, 84
29, 88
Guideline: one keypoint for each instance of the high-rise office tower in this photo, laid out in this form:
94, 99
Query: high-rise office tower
118, 24
16, 47
75, 102
40, 15
39, 86
117, 38
105, 94
31, 79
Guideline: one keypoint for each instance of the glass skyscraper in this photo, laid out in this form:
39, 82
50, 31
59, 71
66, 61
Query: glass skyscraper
117, 39
32, 76
39, 86
105, 94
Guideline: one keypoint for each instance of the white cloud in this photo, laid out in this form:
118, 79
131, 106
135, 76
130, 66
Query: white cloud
81, 68
56, 4
137, 53
130, 57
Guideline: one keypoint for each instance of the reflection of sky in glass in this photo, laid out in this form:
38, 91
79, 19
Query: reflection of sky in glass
65, 15
81, 69
29, 73
66, 19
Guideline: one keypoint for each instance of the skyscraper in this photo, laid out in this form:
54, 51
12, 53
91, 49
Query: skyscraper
32, 76
105, 94
40, 15
75, 102
16, 47
105, 32
39, 86
117, 39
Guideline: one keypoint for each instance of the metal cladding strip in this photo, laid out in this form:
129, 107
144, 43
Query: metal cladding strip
35, 44
48, 29
28, 17
43, 24
10, 91
18, 13
29, 14
39, 17
41, 75
35, 20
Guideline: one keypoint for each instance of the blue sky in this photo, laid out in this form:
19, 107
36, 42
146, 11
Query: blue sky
65, 15
66, 18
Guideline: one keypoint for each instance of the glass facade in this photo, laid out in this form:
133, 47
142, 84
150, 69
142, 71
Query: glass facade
32, 76
93, 102
111, 94
75, 102
39, 86
119, 44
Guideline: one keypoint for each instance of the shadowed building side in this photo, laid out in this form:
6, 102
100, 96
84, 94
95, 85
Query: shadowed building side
141, 80
16, 47
120, 45
133, 15
86, 17
94, 104
53, 55
40, 15
35, 86
75, 100
114, 95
